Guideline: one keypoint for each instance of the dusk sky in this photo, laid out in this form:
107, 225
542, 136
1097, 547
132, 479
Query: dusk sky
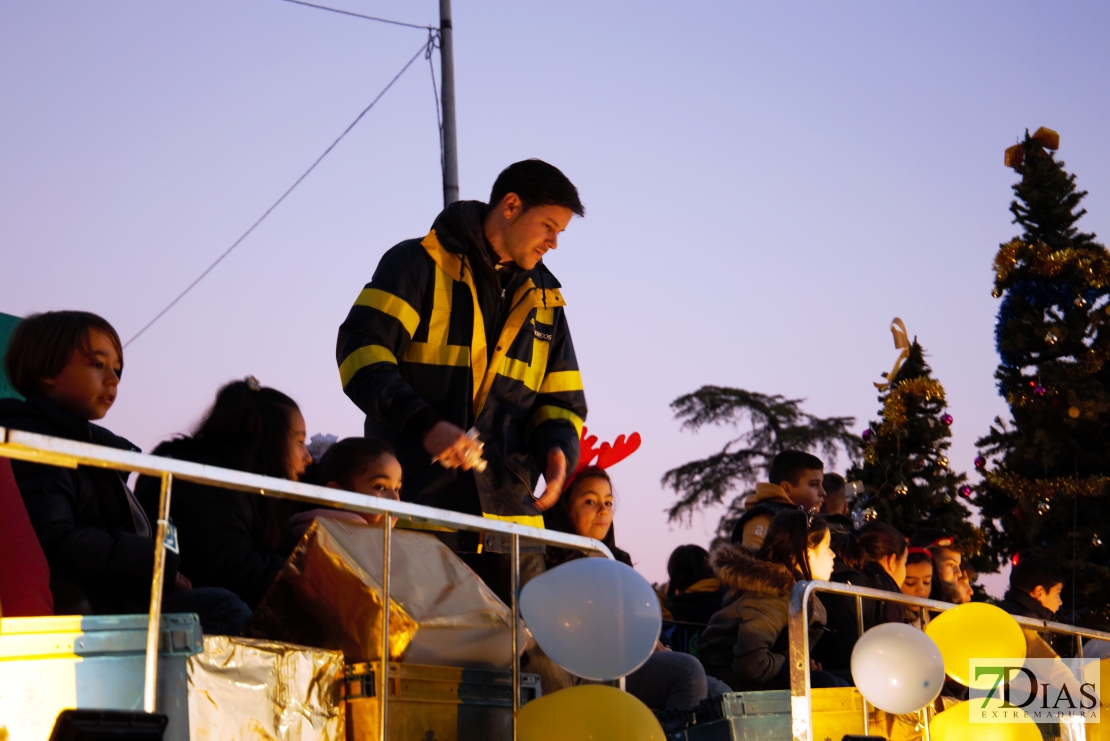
767, 185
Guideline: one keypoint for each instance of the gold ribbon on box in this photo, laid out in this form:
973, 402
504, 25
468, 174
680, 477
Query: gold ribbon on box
901, 342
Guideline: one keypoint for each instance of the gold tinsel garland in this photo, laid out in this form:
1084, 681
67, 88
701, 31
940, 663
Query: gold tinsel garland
1044, 262
894, 408
1047, 488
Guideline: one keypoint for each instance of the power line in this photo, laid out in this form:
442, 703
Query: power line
423, 49
360, 15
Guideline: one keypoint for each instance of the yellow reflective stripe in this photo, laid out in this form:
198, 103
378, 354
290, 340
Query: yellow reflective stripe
395, 306
529, 520
559, 381
362, 357
546, 316
441, 308
546, 413
453, 265
521, 310
429, 354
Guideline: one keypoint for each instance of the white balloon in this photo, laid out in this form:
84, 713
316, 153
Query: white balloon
594, 617
897, 668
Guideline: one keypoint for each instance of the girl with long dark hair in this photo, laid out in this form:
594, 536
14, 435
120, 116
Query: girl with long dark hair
747, 642
227, 538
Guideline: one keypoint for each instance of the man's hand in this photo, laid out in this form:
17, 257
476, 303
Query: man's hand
555, 476
451, 447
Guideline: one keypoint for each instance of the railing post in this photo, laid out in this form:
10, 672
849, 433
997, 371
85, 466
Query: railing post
801, 720
860, 631
514, 578
157, 584
387, 533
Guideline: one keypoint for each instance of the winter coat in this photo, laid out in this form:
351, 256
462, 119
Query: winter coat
220, 532
759, 509
440, 333
835, 651
746, 642
89, 525
697, 603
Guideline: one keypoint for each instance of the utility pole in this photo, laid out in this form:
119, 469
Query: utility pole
447, 71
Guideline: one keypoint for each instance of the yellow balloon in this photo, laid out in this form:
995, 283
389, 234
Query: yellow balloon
954, 725
975, 630
591, 712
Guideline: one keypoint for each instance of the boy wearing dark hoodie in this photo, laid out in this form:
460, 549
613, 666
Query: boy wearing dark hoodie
1034, 592
97, 540
795, 480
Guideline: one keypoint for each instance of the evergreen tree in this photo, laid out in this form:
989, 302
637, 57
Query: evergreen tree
777, 424
908, 481
1046, 492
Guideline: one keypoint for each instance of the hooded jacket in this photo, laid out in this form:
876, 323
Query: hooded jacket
835, 651
746, 642
697, 603
759, 509
88, 523
441, 334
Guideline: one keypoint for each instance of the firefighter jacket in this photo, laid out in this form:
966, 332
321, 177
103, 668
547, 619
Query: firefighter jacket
436, 335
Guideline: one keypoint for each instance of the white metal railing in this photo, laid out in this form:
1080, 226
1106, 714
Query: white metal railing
56, 451
801, 715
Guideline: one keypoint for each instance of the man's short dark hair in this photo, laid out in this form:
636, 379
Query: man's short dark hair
42, 344
1031, 573
348, 459
537, 183
789, 465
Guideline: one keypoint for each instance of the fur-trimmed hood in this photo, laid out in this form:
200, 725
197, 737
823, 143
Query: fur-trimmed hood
738, 569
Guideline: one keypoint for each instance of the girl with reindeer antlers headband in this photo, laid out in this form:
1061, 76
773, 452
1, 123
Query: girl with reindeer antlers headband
669, 679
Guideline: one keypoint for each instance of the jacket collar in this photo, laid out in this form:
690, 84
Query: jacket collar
1026, 601
739, 569
765, 491
44, 416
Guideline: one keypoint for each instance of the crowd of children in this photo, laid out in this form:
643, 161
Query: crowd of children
726, 607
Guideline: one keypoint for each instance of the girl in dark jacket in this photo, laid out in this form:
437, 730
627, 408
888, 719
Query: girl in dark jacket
228, 538
693, 590
876, 558
747, 641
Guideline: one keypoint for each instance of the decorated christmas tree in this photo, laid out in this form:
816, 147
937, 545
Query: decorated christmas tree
908, 480
1046, 490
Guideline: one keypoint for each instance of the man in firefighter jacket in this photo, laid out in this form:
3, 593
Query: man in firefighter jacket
464, 330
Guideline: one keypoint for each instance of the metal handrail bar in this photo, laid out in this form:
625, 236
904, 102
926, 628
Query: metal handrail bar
55, 451
801, 718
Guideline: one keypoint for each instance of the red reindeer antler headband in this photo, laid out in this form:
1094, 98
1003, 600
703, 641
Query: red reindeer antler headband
605, 456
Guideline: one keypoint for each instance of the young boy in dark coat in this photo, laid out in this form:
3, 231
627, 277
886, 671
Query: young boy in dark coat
96, 537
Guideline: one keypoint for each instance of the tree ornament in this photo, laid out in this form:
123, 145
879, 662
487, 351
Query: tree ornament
1080, 302
996, 293
1043, 508
1040, 390
866, 435
947, 419
1073, 412
980, 462
965, 491
901, 489
870, 515
1096, 542
942, 461
1050, 337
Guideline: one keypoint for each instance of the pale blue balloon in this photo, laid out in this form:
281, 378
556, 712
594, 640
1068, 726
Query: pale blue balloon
897, 668
594, 617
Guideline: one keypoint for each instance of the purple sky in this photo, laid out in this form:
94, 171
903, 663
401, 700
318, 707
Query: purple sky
767, 185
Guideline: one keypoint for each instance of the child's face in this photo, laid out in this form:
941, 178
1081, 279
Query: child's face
1049, 600
87, 385
964, 589
382, 478
297, 457
808, 493
591, 507
821, 558
948, 564
919, 579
